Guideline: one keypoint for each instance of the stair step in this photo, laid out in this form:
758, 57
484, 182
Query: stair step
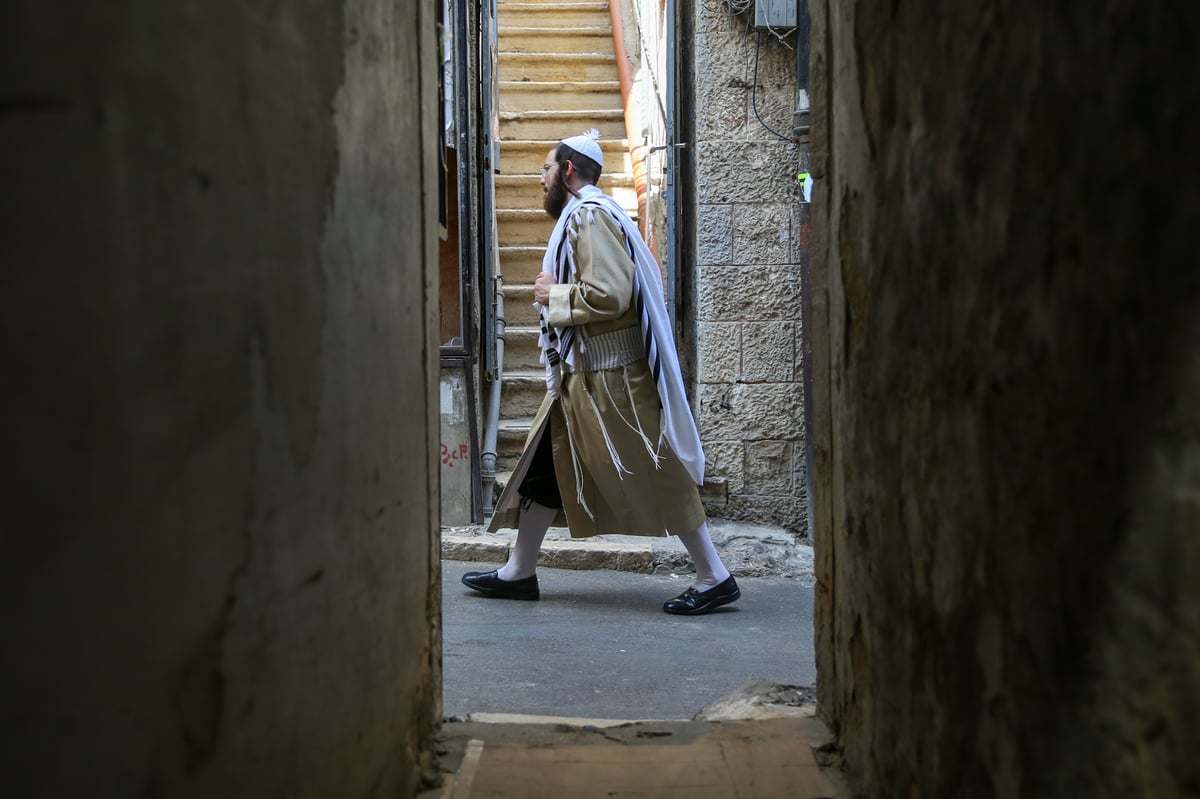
521, 349
511, 448
522, 392
524, 377
554, 36
561, 13
518, 191
521, 332
555, 124
518, 304
511, 435
555, 5
527, 228
523, 156
525, 191
523, 226
557, 66
521, 182
551, 23
516, 95
520, 263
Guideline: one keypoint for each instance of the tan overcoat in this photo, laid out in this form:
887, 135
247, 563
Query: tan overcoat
599, 413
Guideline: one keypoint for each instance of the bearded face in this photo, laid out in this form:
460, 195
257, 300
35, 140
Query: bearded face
554, 191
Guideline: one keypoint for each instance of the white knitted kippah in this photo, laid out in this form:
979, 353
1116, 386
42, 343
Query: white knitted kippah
586, 143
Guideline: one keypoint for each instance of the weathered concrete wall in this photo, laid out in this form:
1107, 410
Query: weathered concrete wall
747, 317
220, 571
1007, 321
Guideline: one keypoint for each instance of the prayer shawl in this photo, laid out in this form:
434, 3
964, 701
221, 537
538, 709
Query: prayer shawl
563, 344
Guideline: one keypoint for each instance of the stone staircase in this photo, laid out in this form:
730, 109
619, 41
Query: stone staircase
558, 77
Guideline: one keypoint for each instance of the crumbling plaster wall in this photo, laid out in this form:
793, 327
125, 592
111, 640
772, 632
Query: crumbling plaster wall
1007, 397
748, 375
220, 561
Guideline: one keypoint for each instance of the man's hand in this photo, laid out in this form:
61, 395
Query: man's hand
541, 288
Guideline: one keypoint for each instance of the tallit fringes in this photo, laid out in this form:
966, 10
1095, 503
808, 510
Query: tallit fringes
612, 449
654, 456
578, 472
641, 431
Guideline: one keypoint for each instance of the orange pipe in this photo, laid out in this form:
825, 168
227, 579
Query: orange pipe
633, 127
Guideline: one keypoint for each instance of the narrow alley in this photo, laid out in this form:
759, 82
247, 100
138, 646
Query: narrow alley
929, 272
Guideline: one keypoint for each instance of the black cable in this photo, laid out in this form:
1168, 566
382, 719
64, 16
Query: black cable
754, 88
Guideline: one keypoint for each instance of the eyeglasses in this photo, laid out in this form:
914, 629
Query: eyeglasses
546, 168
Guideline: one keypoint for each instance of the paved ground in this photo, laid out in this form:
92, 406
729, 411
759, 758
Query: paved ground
598, 645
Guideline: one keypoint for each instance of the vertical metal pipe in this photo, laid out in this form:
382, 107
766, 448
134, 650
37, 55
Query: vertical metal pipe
492, 426
487, 159
491, 282
672, 259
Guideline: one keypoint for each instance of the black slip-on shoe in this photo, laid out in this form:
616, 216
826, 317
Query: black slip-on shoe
490, 584
695, 603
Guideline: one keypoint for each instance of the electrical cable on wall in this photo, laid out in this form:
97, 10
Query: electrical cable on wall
754, 90
737, 8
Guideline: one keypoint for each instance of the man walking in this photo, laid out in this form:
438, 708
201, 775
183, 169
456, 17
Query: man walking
614, 447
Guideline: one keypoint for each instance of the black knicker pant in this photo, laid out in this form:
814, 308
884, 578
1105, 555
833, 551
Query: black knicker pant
540, 484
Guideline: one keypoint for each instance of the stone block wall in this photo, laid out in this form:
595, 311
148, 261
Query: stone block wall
219, 543
1006, 316
747, 301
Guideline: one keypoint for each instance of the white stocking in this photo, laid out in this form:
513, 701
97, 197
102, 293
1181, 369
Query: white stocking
710, 571
531, 531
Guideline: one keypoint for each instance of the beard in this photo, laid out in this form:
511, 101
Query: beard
555, 197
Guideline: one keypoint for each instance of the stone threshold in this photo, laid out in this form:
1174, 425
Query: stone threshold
602, 552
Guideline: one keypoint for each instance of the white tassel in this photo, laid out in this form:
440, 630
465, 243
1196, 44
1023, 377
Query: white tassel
641, 431
612, 450
578, 472
638, 429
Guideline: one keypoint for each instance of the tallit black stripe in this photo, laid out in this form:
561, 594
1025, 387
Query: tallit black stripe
560, 259
643, 317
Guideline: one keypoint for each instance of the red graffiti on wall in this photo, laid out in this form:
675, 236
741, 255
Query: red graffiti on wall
449, 456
